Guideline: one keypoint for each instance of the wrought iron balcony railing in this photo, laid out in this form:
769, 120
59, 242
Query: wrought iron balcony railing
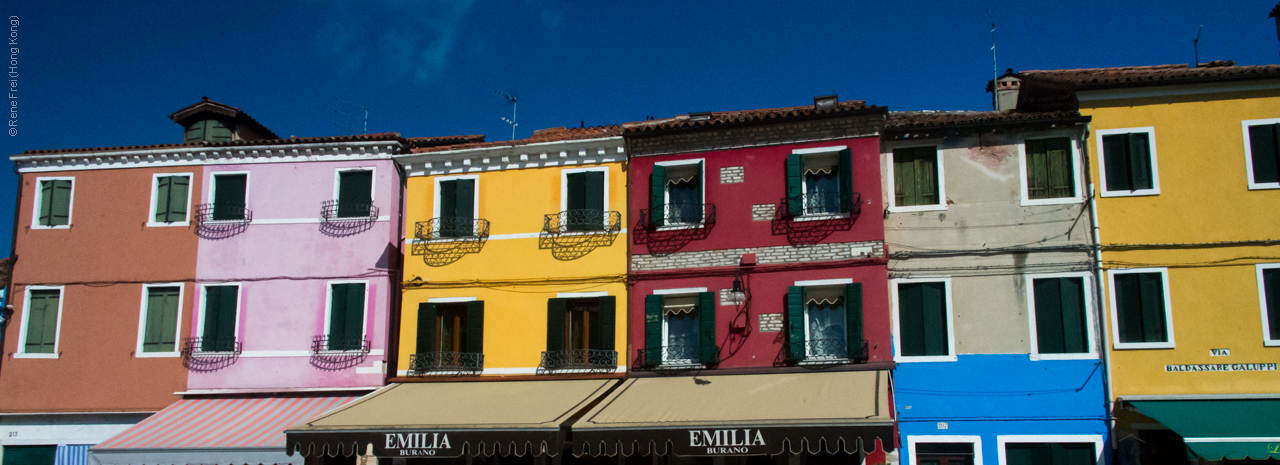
582, 221
836, 351
677, 357
579, 359
819, 204
428, 362
677, 214
214, 213
335, 210
326, 343
445, 228
197, 346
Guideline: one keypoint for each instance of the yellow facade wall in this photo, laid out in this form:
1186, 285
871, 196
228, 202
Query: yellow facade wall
516, 271
1204, 198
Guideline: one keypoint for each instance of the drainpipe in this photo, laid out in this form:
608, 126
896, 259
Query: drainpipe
5, 313
1098, 295
396, 274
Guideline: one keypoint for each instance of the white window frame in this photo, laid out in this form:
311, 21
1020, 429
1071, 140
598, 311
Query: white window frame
804, 182
1086, 297
828, 283
692, 293
199, 320
475, 200
213, 184
1102, 163
564, 184
373, 181
1262, 301
912, 440
328, 306
1248, 152
71, 201
1077, 185
26, 322
142, 321
942, 179
155, 192
951, 327
702, 180
1095, 439
1115, 311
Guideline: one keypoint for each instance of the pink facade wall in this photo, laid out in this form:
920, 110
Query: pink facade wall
284, 263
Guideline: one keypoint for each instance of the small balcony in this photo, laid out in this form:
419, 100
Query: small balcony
221, 221
583, 222
446, 363
452, 229
820, 205
678, 214
578, 361
344, 218
209, 354
677, 357
826, 352
337, 353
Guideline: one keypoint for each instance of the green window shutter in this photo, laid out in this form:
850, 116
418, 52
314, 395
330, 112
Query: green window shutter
904, 175
354, 338
657, 195
594, 191
1128, 307
338, 303
1073, 453
46, 203
936, 339
1115, 151
653, 342
448, 199
355, 192
1061, 327
475, 327
795, 185
1075, 329
795, 321
556, 309
220, 318
915, 176
911, 319
60, 214
426, 328
1060, 172
195, 133
42, 329
608, 324
228, 196
707, 327
1271, 280
1037, 170
1027, 454
1264, 148
853, 318
176, 206
30, 455
1140, 161
162, 198
1140, 302
466, 199
1153, 325
577, 191
160, 330
845, 158
217, 130
927, 175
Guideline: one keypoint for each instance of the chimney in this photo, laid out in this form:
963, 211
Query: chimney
825, 102
1006, 91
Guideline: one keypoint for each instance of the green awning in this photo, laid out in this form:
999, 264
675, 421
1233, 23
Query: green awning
1221, 429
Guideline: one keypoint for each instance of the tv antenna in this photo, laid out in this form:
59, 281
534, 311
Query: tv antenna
513, 99
364, 123
1196, 43
995, 73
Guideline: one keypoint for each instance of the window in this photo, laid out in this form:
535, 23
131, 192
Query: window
30, 455
211, 129
451, 327
456, 200
1049, 171
680, 329
161, 305
355, 193
346, 316
584, 200
579, 324
1061, 322
218, 328
675, 193
1262, 153
1128, 162
944, 450
1050, 450
41, 317
229, 191
917, 179
1140, 308
924, 331
824, 320
1269, 297
819, 181
53, 203
170, 195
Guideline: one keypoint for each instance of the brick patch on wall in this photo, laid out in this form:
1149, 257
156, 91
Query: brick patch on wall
770, 322
732, 174
763, 212
764, 255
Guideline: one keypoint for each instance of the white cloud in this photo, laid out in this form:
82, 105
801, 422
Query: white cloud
406, 39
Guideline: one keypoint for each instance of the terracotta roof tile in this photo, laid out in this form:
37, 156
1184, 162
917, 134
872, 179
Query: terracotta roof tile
720, 118
539, 136
387, 136
206, 105
1142, 76
908, 120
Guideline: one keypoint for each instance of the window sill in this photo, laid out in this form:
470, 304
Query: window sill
45, 356
151, 224
672, 227
1137, 193
1142, 345
1050, 357
65, 226
820, 217
1264, 186
1056, 201
923, 359
1271, 343
917, 208
823, 360
157, 354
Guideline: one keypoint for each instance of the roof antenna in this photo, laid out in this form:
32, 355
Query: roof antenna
364, 127
513, 99
1196, 43
995, 74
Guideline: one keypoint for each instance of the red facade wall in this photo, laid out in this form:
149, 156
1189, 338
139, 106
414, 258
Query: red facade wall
103, 260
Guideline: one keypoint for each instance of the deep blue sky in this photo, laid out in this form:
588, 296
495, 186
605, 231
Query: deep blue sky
106, 74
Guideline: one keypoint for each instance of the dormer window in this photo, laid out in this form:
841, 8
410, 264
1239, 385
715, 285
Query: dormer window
210, 129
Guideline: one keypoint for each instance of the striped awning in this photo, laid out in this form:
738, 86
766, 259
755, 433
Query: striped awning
228, 430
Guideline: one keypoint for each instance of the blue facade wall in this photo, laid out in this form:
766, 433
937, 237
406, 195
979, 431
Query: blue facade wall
988, 396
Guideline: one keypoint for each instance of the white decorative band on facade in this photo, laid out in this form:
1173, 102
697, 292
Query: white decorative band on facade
764, 255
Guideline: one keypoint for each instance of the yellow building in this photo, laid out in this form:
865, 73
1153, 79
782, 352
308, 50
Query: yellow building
516, 257
1184, 167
